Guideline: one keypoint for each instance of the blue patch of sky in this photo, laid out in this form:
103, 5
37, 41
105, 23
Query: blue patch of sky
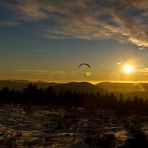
107, 18
6, 13
135, 12
138, 14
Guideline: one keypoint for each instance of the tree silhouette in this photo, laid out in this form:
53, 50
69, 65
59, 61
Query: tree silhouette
31, 95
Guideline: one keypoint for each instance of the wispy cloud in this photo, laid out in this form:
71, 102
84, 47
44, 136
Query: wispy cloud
48, 74
142, 71
32, 71
87, 19
9, 23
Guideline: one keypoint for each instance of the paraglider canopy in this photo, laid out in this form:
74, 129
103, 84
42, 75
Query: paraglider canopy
85, 64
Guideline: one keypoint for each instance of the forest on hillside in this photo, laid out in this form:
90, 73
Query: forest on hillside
31, 95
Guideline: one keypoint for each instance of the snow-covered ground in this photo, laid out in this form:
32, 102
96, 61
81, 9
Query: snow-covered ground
56, 127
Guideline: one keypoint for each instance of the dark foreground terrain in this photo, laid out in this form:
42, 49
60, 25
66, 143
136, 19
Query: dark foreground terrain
71, 118
69, 127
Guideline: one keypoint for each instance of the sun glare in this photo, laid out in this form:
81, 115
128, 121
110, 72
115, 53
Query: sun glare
128, 68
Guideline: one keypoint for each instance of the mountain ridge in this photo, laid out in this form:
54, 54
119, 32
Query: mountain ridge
78, 87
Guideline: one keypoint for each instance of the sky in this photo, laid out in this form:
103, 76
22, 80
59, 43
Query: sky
47, 40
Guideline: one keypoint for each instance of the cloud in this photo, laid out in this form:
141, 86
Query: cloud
124, 20
47, 75
142, 71
9, 23
32, 71
146, 69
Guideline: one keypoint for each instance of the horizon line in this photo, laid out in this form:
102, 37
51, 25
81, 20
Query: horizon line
68, 81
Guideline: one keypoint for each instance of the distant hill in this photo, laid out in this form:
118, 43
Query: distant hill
20, 84
57, 87
78, 87
128, 89
124, 87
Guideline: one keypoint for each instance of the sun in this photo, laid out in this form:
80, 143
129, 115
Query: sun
128, 69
